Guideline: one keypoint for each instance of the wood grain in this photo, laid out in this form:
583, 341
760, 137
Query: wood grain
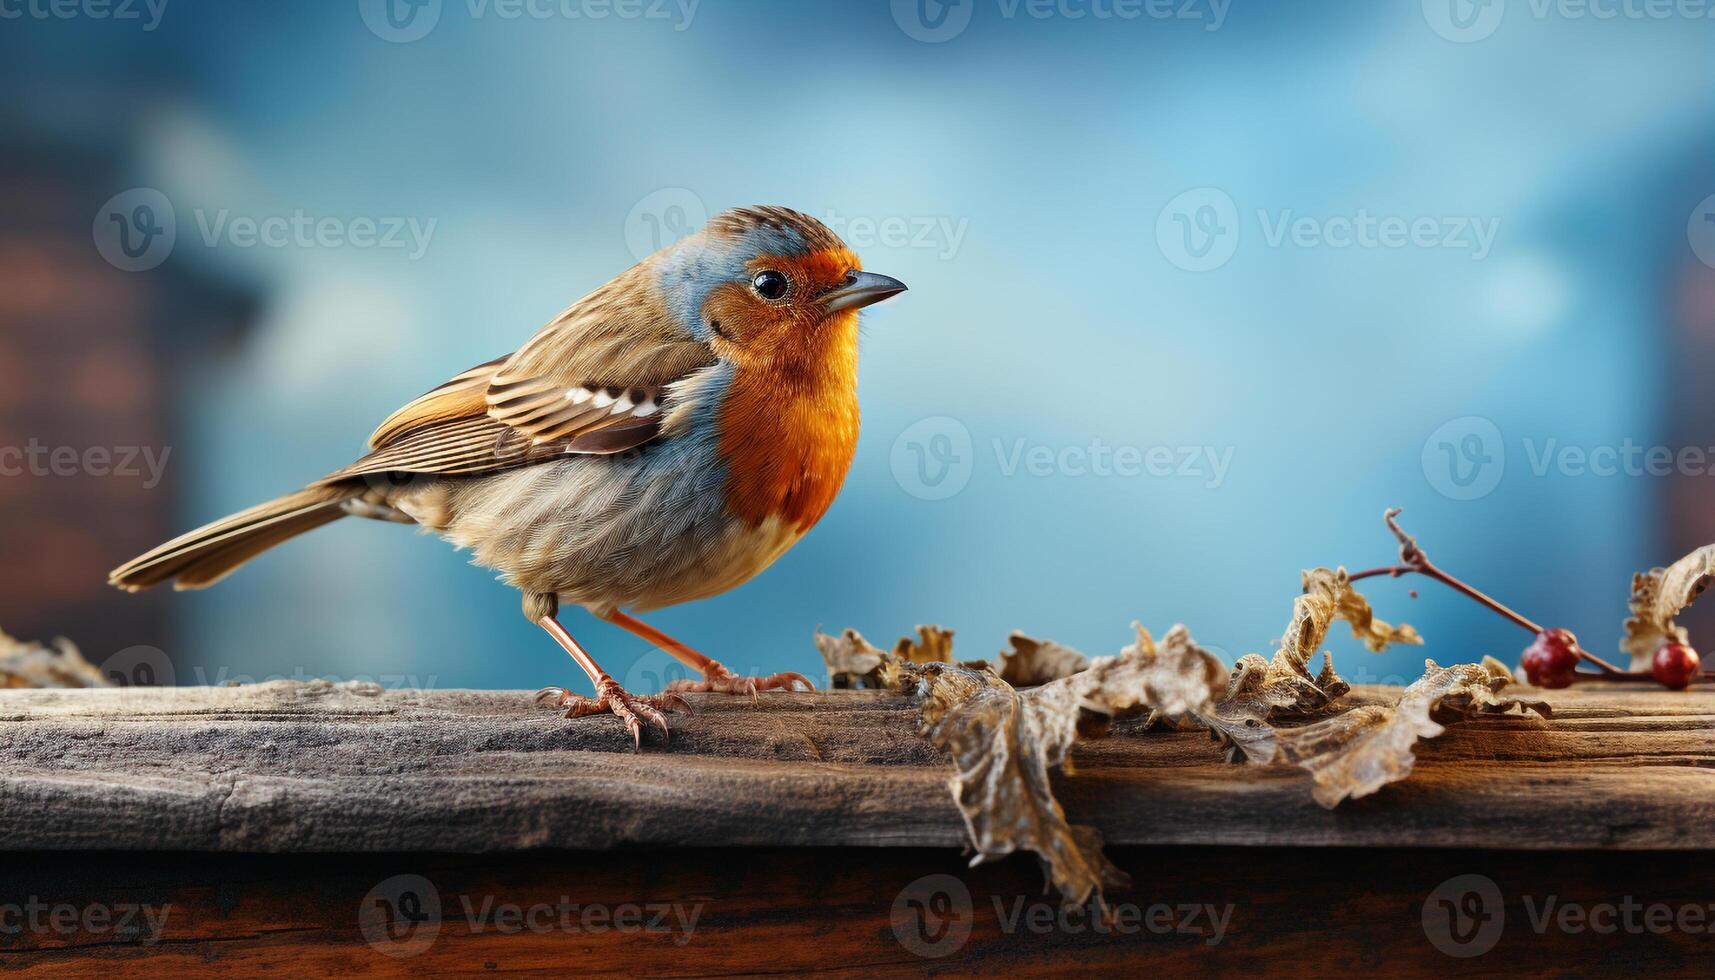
1287, 912
300, 767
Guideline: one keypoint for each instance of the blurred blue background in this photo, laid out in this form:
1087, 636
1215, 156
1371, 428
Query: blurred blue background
1337, 256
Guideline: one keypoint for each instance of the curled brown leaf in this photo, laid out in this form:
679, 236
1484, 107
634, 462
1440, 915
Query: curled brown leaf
933, 645
1660, 594
1351, 606
852, 661
1357, 752
1004, 742
1261, 692
1002, 747
1031, 661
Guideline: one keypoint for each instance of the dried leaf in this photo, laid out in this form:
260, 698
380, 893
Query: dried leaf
1002, 747
1004, 742
1176, 676
852, 661
1240, 719
1659, 595
1261, 692
37, 665
933, 645
1359, 751
1032, 661
1347, 604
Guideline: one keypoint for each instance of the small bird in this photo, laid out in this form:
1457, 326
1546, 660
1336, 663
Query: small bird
664, 439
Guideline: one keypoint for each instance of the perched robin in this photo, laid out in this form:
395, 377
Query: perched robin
664, 439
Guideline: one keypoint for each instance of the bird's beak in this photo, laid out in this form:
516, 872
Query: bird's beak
860, 290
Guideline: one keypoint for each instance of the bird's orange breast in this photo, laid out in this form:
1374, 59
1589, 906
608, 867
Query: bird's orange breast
788, 429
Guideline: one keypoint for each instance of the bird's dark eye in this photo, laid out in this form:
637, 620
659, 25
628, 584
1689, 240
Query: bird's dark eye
770, 284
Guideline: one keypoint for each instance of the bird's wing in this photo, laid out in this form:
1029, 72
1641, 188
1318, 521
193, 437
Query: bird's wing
592, 381
606, 361
459, 398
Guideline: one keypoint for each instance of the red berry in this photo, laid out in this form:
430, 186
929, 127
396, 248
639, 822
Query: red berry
1675, 664
1552, 660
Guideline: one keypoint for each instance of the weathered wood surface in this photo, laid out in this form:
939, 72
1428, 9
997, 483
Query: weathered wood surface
290, 766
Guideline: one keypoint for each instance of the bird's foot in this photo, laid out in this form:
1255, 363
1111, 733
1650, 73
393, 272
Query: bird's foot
633, 709
718, 679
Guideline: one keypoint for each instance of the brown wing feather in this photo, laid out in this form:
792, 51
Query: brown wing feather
592, 381
478, 444
618, 345
460, 397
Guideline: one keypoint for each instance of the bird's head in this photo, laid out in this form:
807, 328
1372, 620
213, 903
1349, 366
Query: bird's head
769, 284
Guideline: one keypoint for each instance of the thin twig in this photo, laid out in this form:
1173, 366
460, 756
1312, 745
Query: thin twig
1391, 571
1414, 560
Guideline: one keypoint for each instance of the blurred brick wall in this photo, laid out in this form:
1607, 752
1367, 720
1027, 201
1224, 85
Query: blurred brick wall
89, 356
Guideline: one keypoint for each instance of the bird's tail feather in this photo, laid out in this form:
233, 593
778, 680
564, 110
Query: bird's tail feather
208, 554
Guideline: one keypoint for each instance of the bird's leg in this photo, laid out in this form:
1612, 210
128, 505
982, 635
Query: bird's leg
631, 708
715, 676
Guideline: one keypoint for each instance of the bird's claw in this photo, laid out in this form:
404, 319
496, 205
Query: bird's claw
632, 709
719, 680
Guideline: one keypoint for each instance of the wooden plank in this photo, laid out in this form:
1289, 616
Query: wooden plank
292, 766
1288, 912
